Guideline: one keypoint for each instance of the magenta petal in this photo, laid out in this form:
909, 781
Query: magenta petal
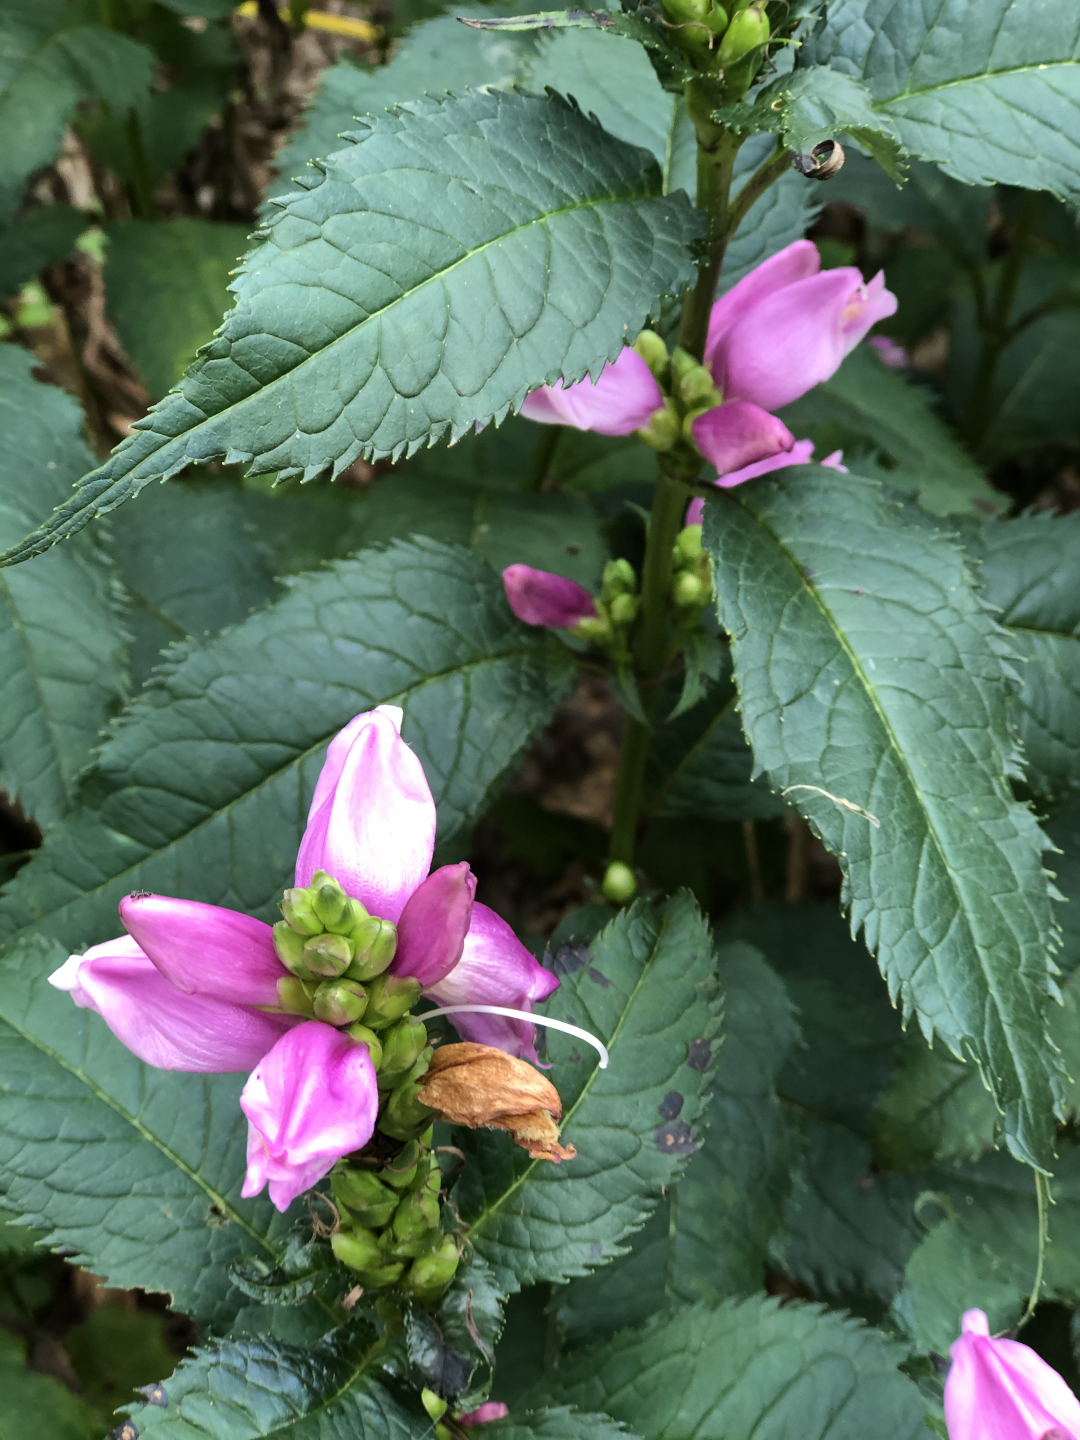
309, 1101
540, 598
1002, 1390
204, 949
490, 1410
835, 461
737, 434
866, 306
159, 1023
695, 511
434, 923
797, 261
495, 969
795, 338
620, 402
372, 821
799, 454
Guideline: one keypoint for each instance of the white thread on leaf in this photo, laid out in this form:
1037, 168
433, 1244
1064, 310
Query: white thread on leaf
568, 1029
837, 800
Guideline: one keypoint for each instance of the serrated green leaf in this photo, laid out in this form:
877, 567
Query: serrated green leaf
482, 299
700, 764
34, 240
452, 1345
646, 988
1033, 396
1030, 571
203, 790
867, 405
137, 1170
933, 1108
710, 1234
950, 1272
557, 1423
988, 89
750, 1368
62, 666
872, 690
32, 1405
262, 1389
167, 285
49, 63
439, 55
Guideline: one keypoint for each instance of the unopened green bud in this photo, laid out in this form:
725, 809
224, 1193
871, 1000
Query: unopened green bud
717, 20
620, 577
364, 1195
595, 628
415, 1220
340, 1002
689, 589
652, 350
433, 1404
696, 387
689, 545
747, 32
623, 609
404, 1117
682, 362
327, 955
620, 883
358, 1248
331, 905
390, 997
686, 11
293, 997
662, 431
431, 1274
289, 948
374, 944
402, 1045
401, 1171
367, 1037
296, 906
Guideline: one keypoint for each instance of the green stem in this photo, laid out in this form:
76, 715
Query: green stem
717, 149
545, 454
1042, 1196
995, 331
141, 190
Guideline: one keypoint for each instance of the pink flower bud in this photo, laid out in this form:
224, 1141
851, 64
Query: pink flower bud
159, 1023
738, 434
308, 1102
620, 402
540, 598
799, 454
490, 1410
434, 923
372, 819
205, 949
891, 355
1002, 1390
786, 326
495, 969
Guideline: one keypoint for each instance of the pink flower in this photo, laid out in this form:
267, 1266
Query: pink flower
620, 401
738, 433
160, 1024
891, 355
786, 326
799, 454
540, 598
491, 1410
1002, 1390
309, 1100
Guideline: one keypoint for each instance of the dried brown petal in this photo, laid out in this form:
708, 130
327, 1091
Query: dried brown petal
477, 1085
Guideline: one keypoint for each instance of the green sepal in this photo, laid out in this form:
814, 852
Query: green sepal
402, 1045
331, 905
293, 997
359, 1249
367, 1037
389, 998
296, 907
289, 948
327, 956
340, 1002
364, 1195
431, 1274
402, 1171
374, 944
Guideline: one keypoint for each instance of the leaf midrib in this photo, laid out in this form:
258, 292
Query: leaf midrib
44, 716
915, 94
268, 779
438, 276
901, 755
489, 1210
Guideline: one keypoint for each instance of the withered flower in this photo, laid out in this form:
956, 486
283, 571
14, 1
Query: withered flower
477, 1085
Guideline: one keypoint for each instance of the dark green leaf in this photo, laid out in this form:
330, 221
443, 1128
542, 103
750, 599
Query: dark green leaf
555, 1424
986, 88
866, 405
263, 1389
33, 241
646, 989
376, 358
1034, 399
872, 690
62, 670
453, 1344
114, 1351
204, 790
167, 286
710, 1234
1064, 830
33, 1405
137, 1170
933, 1108
750, 1368
1030, 571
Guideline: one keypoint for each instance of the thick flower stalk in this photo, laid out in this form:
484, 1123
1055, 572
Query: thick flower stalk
318, 1006
1001, 1390
783, 329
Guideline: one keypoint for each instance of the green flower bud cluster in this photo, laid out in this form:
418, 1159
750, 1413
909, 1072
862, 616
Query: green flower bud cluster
689, 392
718, 39
390, 1222
616, 611
691, 577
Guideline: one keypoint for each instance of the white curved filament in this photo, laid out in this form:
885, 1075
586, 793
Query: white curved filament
563, 1025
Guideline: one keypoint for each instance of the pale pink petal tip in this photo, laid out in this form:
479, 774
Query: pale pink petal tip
434, 923
620, 402
540, 598
737, 434
695, 511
